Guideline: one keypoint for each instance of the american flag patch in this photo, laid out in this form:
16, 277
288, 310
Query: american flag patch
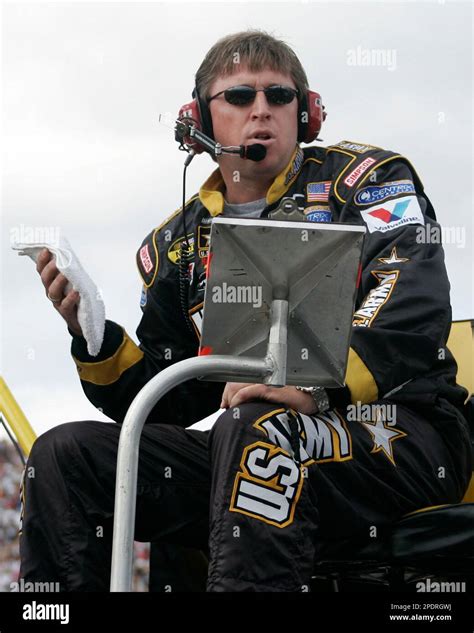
318, 191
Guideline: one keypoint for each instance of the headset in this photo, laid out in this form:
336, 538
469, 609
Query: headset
311, 115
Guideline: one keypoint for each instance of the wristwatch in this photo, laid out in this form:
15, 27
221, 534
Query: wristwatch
320, 396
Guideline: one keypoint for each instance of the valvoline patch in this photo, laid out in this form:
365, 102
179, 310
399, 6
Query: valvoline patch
393, 214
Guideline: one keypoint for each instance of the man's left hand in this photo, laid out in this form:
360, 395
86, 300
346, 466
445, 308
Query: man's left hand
236, 393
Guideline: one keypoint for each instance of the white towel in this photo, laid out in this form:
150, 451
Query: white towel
91, 308
207, 423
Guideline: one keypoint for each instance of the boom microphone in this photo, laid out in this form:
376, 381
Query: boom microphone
256, 152
186, 132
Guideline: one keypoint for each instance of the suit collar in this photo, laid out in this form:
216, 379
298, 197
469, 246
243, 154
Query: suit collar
211, 194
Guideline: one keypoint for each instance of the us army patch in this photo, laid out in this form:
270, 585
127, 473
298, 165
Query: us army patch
204, 236
376, 298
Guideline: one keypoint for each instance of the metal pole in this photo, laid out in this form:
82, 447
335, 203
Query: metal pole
129, 443
277, 349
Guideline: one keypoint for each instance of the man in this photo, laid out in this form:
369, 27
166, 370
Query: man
264, 506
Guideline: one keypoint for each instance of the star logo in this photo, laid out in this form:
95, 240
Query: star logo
204, 236
383, 437
393, 259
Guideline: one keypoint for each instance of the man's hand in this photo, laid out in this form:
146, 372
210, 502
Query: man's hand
236, 393
55, 284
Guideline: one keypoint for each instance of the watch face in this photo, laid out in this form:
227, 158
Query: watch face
321, 398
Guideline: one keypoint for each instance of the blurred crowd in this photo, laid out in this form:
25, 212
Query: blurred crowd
11, 469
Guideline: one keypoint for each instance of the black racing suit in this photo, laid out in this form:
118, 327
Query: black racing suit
398, 355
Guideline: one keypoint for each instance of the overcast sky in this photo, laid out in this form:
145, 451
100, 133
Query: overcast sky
83, 84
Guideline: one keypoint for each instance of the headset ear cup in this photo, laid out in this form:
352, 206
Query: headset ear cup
310, 117
205, 115
197, 112
190, 112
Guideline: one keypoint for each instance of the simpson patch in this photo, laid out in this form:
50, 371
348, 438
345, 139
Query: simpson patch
356, 173
147, 261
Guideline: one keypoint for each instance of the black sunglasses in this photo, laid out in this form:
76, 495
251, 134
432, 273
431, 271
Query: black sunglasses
243, 95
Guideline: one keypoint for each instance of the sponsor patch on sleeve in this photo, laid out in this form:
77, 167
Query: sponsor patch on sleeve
174, 251
377, 193
356, 173
376, 298
393, 214
204, 237
143, 297
147, 260
318, 213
